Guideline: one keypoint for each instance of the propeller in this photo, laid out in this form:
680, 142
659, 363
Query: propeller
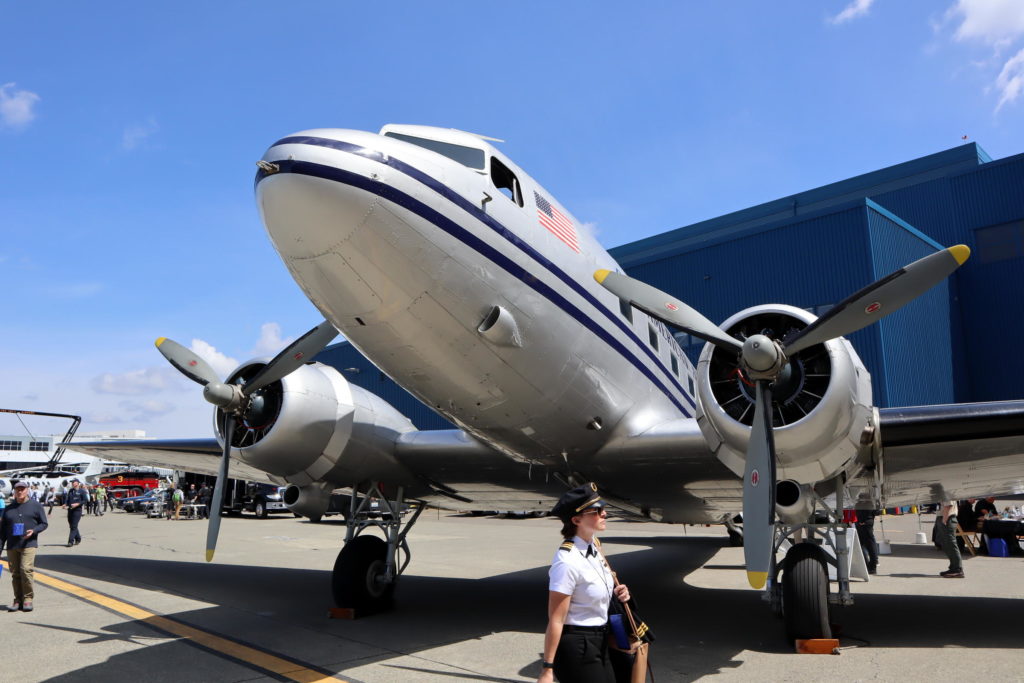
764, 358
235, 400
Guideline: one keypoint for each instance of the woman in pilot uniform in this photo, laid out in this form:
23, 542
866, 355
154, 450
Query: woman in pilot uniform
580, 588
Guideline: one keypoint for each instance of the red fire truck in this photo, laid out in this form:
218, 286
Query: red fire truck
130, 482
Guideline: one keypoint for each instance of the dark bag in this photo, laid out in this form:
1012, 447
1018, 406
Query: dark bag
629, 640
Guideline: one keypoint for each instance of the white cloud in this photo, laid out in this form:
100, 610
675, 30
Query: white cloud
16, 106
145, 410
102, 417
221, 363
999, 24
1010, 81
857, 8
996, 22
270, 341
134, 383
136, 134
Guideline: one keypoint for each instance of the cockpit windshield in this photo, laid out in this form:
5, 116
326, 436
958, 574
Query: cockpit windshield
467, 156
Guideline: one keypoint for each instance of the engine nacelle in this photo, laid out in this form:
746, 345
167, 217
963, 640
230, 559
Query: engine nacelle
821, 402
308, 501
313, 426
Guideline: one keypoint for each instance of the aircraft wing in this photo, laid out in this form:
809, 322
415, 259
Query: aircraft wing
664, 473
944, 452
201, 456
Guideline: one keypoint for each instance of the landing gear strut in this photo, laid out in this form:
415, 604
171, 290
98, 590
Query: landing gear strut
367, 567
803, 595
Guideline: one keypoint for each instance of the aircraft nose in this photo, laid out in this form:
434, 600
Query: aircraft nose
312, 198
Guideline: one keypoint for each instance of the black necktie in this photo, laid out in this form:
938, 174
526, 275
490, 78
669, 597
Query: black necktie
591, 551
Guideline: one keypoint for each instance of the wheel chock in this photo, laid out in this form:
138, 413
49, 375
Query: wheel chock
817, 646
341, 613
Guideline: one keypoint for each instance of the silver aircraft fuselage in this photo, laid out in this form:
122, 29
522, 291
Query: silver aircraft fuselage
470, 297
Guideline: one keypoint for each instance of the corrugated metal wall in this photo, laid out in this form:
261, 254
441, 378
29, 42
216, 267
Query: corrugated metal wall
917, 355
948, 199
991, 284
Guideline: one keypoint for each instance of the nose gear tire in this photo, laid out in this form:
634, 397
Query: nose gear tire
358, 572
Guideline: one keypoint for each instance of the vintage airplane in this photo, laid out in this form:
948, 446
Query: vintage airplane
44, 478
463, 279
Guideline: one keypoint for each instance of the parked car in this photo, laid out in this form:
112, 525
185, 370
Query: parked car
138, 503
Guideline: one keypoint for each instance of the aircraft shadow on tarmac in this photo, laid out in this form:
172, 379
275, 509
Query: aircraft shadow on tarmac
699, 630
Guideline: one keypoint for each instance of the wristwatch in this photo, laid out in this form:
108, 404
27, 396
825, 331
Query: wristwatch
547, 665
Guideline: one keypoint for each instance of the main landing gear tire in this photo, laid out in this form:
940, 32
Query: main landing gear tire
805, 589
356, 581
735, 538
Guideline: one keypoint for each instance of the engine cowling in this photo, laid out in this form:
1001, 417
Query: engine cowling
821, 402
314, 426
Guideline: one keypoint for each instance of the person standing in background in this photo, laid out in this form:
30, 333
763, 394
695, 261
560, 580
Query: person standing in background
74, 502
948, 537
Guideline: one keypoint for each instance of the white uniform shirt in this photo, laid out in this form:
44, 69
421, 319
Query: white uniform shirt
587, 580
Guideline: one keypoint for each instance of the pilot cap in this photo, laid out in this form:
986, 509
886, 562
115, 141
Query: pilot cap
20, 485
576, 501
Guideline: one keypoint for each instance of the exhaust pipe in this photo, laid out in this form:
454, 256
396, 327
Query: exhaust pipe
794, 502
308, 501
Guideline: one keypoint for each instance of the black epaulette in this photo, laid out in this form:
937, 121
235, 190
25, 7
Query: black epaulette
568, 545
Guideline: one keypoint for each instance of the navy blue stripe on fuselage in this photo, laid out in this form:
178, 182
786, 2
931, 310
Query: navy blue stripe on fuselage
509, 235
443, 222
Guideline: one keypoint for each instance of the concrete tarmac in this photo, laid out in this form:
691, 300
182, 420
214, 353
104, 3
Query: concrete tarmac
136, 602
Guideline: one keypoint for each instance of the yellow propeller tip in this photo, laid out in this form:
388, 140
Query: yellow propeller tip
601, 275
160, 341
757, 579
209, 555
960, 252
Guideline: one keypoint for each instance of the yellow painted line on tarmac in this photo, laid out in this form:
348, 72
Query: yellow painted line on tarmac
244, 653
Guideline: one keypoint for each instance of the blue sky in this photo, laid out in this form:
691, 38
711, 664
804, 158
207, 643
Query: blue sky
129, 134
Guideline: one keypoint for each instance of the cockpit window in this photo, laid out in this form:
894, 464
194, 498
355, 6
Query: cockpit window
467, 156
505, 180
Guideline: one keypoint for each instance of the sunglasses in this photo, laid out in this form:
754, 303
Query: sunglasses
595, 511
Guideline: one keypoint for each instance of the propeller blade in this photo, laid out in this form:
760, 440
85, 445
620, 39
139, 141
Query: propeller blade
664, 307
217, 503
295, 354
879, 299
187, 362
759, 491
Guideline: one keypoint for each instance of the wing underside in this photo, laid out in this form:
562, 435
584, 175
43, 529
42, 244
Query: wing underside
951, 452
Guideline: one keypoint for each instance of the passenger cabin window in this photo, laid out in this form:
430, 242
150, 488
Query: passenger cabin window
675, 365
505, 180
652, 334
467, 156
626, 309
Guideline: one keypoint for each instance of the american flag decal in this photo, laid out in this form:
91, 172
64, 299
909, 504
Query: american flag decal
556, 223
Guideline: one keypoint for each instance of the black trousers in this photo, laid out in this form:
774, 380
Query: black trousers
74, 517
583, 658
868, 544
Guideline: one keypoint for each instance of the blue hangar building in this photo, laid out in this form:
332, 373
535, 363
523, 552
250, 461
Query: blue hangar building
958, 343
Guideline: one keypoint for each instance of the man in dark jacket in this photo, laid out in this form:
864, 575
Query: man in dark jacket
203, 498
20, 526
75, 501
